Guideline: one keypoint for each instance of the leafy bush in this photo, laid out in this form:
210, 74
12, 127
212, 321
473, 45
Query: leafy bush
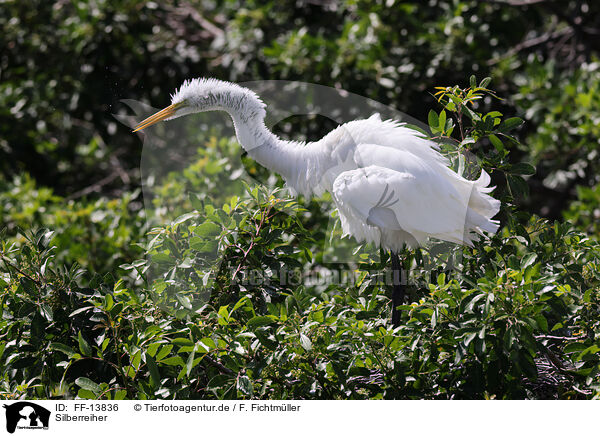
516, 316
98, 234
65, 67
566, 108
584, 213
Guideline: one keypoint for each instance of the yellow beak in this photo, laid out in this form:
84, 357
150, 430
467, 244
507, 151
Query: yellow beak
159, 116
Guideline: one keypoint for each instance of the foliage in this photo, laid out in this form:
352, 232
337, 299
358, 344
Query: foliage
98, 234
218, 306
89, 55
204, 290
566, 108
585, 211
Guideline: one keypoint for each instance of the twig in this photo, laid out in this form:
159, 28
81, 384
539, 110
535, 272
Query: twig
562, 338
95, 187
518, 2
20, 271
581, 391
532, 43
187, 9
217, 365
114, 160
257, 233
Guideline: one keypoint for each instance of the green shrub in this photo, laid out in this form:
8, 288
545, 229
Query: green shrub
98, 234
515, 316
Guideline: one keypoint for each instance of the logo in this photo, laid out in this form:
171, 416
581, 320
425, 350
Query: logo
26, 415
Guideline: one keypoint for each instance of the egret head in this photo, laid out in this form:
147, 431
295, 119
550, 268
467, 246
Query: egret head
202, 95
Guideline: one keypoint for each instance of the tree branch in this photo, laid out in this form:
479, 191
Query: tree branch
529, 43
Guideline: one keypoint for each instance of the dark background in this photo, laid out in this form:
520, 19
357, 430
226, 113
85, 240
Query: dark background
65, 66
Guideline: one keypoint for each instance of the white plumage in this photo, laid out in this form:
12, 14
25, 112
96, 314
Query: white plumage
390, 186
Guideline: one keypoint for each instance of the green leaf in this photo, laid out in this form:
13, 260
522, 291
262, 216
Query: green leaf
241, 302
541, 322
509, 338
441, 279
449, 128
523, 168
43, 238
517, 185
184, 300
182, 342
116, 309
120, 395
367, 314
190, 362
305, 342
497, 143
80, 310
442, 121
183, 218
88, 385
136, 360
164, 352
163, 258
84, 347
173, 361
88, 395
47, 312
591, 351
202, 245
245, 385
527, 363
264, 339
260, 321
527, 260
153, 348
472, 82
574, 347
197, 243
208, 229
57, 346
433, 120
207, 343
460, 353
510, 124
468, 140
480, 346
220, 381
108, 302
471, 114
196, 201
223, 315
468, 338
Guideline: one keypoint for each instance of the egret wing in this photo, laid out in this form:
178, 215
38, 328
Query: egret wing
395, 201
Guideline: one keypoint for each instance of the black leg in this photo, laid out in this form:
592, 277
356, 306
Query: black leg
397, 288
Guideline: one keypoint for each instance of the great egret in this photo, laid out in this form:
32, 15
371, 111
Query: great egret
391, 187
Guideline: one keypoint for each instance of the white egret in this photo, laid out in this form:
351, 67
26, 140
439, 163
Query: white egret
391, 186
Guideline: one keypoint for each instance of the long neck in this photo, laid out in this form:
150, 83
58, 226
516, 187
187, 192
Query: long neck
296, 162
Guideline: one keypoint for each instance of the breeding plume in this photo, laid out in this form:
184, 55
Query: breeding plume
391, 186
